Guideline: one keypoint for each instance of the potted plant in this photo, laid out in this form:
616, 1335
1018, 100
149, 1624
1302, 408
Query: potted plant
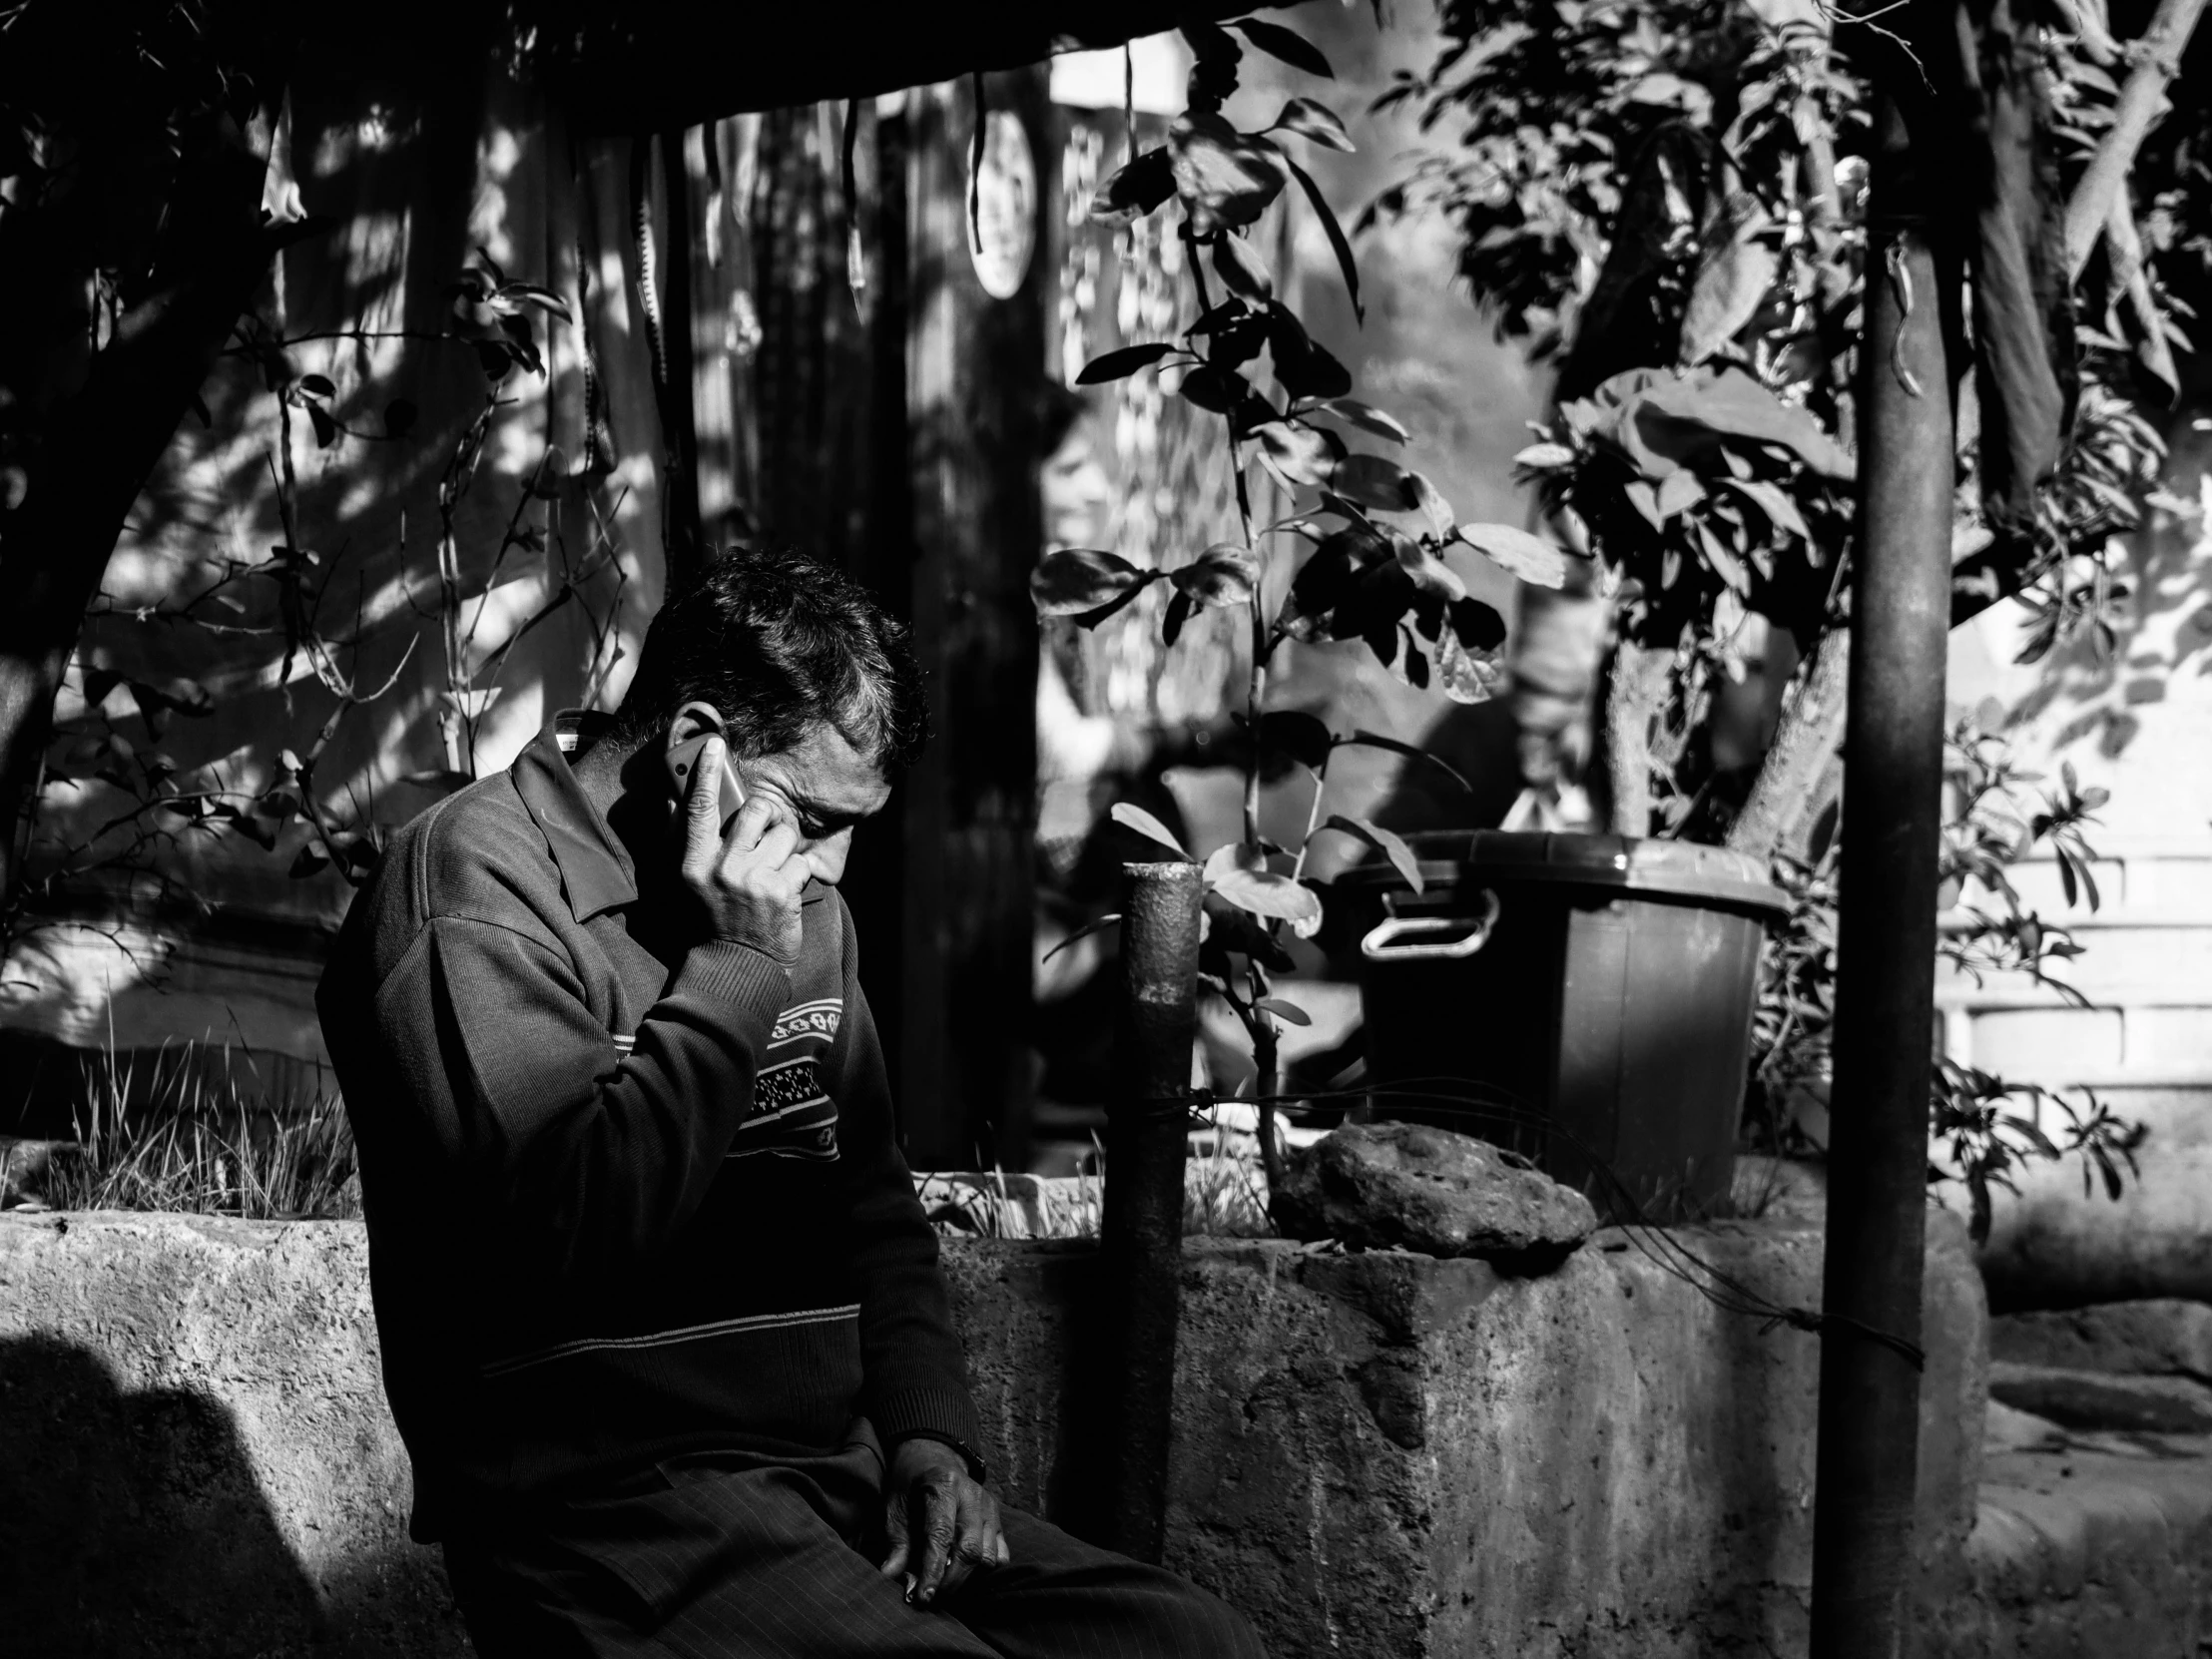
1377, 558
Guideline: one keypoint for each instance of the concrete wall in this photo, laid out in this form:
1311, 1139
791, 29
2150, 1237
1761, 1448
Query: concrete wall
1379, 1454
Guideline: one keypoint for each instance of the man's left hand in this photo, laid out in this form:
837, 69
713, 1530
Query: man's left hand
942, 1523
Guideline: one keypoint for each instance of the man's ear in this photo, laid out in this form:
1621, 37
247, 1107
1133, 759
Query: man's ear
693, 719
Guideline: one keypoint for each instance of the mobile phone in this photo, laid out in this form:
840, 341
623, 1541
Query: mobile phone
684, 756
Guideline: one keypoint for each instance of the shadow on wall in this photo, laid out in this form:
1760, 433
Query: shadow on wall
131, 1524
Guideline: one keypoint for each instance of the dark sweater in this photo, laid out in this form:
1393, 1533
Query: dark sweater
628, 1199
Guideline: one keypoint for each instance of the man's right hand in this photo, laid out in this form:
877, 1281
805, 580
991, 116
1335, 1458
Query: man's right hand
749, 879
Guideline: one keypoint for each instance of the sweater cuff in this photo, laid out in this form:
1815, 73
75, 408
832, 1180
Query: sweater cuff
943, 1414
739, 974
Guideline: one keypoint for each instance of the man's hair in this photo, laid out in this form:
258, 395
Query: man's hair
775, 640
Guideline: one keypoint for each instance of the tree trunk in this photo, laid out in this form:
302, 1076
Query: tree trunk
93, 450
1802, 744
1636, 690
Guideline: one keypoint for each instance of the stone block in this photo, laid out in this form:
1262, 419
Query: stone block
2153, 1336
1390, 1455
2100, 1399
197, 1459
2078, 1552
2051, 1247
1376, 1454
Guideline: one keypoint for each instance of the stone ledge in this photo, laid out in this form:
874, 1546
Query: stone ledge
1377, 1454
2081, 1550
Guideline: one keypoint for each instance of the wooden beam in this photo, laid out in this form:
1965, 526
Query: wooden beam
975, 378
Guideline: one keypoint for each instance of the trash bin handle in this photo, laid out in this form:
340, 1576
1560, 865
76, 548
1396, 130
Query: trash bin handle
1378, 945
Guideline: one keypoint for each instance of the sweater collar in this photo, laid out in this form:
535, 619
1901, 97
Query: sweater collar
596, 872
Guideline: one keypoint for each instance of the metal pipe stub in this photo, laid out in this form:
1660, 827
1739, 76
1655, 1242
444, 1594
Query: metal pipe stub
1141, 1228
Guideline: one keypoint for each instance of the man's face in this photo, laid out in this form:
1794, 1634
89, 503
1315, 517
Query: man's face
822, 786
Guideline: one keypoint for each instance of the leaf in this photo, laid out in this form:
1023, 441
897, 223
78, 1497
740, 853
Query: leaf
1645, 500
325, 430
1137, 819
1728, 290
1264, 894
1236, 332
1478, 625
318, 385
310, 861
1468, 675
1135, 188
1214, 389
1239, 267
1385, 842
1297, 454
1232, 855
1315, 121
1730, 568
1177, 612
1337, 244
1288, 1013
1430, 574
1543, 457
1292, 48
1365, 416
1303, 736
1732, 405
1374, 740
530, 293
1079, 579
1120, 364
399, 417
1304, 368
1224, 177
1679, 491
1519, 552
1096, 924
1225, 574
1228, 929
1374, 482
1775, 501
1431, 503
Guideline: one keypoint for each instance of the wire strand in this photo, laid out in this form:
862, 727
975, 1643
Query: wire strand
1450, 1096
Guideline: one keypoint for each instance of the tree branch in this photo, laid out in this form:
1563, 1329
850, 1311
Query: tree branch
1811, 728
2143, 101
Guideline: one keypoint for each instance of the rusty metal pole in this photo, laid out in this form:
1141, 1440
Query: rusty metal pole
1863, 1556
1142, 1229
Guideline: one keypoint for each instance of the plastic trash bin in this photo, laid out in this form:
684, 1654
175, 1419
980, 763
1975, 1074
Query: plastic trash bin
1585, 1000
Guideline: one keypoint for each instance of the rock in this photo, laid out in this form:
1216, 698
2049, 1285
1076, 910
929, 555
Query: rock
25, 1167
2156, 1338
2100, 1399
1430, 1189
2005, 1429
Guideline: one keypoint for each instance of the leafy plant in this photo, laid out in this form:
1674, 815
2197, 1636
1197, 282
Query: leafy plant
1385, 560
1983, 1127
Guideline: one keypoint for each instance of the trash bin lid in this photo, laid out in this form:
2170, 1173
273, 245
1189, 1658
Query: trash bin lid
1676, 870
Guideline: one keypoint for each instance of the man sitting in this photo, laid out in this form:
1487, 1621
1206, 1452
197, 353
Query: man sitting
663, 1324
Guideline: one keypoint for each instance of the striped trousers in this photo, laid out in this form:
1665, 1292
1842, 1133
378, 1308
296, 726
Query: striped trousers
732, 1558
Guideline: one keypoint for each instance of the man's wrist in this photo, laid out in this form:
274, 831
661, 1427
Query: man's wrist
739, 971
926, 1446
